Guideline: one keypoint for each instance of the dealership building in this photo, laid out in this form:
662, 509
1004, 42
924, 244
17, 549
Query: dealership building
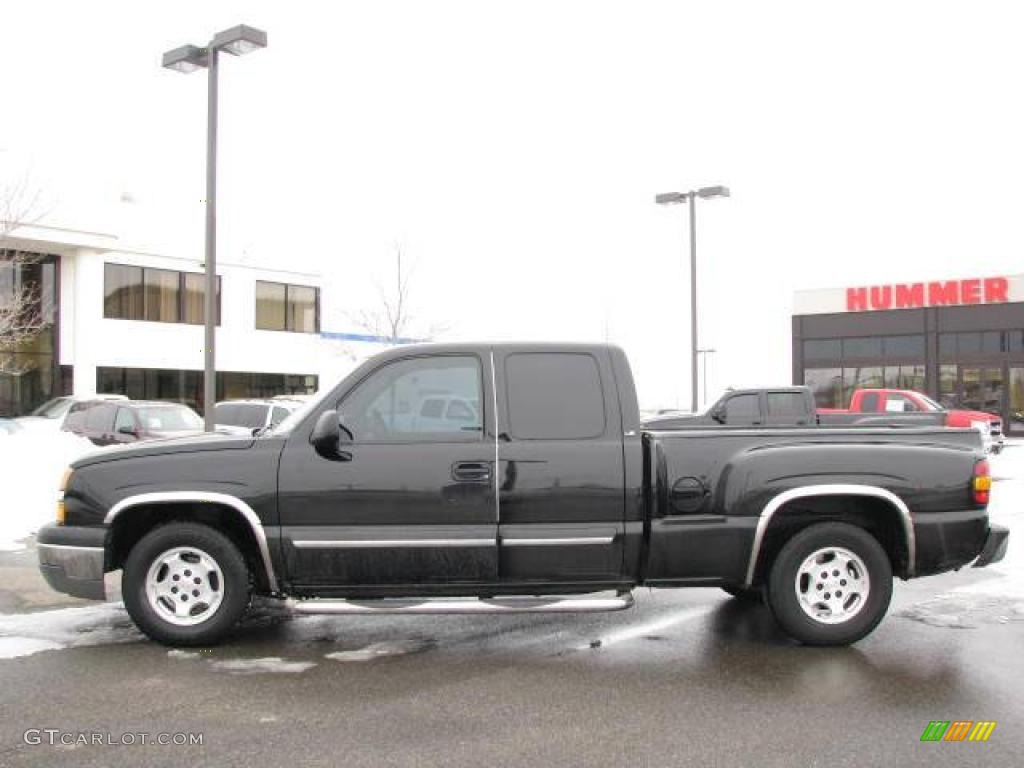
126, 321
960, 341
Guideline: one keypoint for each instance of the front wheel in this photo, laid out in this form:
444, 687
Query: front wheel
185, 584
830, 584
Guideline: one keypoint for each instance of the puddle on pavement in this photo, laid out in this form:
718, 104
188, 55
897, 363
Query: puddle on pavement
962, 611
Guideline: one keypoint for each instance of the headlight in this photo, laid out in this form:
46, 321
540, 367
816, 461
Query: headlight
64, 480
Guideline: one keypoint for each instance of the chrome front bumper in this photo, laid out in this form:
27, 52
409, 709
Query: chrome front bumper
73, 568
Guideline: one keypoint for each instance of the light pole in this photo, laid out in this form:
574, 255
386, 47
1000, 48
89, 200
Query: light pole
704, 367
674, 198
188, 58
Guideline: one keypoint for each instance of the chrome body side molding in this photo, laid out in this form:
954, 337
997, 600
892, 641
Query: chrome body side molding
837, 489
234, 502
562, 542
388, 543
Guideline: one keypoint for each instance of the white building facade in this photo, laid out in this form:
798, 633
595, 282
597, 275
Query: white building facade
131, 322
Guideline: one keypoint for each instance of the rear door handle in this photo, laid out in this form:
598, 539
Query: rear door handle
471, 471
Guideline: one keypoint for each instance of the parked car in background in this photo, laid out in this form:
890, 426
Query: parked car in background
247, 417
782, 407
906, 401
9, 427
114, 422
51, 414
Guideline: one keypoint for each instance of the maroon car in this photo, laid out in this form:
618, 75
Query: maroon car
113, 422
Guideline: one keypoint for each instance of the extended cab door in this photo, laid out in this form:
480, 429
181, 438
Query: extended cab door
414, 504
561, 498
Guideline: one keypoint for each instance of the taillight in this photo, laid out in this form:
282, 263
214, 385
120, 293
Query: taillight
981, 483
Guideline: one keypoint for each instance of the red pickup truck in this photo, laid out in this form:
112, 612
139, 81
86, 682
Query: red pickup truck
908, 401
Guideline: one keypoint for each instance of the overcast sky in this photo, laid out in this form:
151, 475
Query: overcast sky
513, 151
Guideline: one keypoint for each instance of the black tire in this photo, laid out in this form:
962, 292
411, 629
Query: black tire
751, 595
783, 596
234, 585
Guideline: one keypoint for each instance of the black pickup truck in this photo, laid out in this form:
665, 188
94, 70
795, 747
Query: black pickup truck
490, 478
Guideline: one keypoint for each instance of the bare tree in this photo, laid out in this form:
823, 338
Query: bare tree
391, 321
21, 306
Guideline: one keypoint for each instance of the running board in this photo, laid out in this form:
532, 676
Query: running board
461, 605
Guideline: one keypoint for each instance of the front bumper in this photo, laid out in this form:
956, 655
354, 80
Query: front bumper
995, 546
71, 559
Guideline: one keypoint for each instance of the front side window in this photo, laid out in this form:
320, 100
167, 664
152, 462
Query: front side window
125, 421
396, 403
742, 409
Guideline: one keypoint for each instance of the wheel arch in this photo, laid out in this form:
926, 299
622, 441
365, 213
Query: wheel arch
131, 518
878, 510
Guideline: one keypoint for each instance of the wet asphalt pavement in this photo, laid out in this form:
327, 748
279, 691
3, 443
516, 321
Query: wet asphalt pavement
687, 677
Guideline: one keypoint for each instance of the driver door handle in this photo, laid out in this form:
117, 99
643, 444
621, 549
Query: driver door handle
471, 471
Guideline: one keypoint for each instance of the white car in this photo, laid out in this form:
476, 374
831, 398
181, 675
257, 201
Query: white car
247, 417
50, 415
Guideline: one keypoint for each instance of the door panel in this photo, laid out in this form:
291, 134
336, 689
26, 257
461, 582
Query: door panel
416, 503
561, 503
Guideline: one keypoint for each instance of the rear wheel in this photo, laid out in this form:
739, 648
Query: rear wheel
185, 584
830, 584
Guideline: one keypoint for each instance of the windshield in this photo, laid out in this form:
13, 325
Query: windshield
250, 415
53, 409
298, 414
929, 404
169, 418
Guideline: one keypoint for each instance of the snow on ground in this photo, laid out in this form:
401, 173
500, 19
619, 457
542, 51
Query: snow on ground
22, 634
274, 664
1007, 509
31, 463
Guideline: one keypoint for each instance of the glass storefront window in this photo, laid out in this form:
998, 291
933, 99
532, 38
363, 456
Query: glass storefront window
865, 346
863, 378
822, 349
1016, 400
29, 374
948, 397
827, 386
903, 346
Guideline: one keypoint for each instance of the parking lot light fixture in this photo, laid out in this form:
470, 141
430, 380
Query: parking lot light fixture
674, 198
188, 58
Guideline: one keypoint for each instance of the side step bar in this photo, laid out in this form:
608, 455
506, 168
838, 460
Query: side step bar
460, 605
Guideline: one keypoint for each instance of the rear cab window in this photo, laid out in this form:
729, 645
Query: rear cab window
554, 396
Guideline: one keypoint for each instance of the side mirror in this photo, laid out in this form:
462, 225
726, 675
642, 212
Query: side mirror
126, 430
718, 414
327, 437
346, 434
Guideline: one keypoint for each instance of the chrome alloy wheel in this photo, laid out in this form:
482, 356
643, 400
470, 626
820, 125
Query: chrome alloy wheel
832, 585
184, 586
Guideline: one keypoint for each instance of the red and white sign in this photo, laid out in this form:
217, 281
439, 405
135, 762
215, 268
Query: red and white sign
936, 293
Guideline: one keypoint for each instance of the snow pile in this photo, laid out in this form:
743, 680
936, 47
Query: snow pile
274, 664
23, 634
1006, 509
31, 463
379, 650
